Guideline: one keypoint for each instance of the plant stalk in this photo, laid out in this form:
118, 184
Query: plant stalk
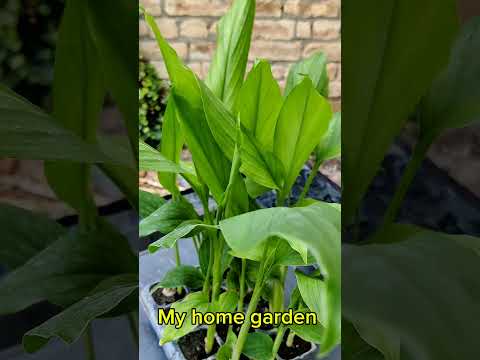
216, 284
242, 285
419, 153
309, 181
252, 307
178, 262
278, 341
89, 344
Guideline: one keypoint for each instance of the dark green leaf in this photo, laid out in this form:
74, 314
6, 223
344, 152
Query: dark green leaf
71, 323
28, 133
149, 203
78, 94
398, 45
24, 234
454, 98
111, 23
67, 269
429, 308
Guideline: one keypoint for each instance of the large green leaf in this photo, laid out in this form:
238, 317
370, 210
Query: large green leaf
312, 290
78, 94
71, 323
199, 302
330, 146
258, 104
355, 348
67, 269
29, 133
166, 218
314, 67
302, 121
211, 165
454, 98
401, 52
111, 23
151, 159
311, 332
316, 226
24, 234
149, 203
171, 146
227, 70
429, 309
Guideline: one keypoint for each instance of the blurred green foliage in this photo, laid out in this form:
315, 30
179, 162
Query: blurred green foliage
27, 45
152, 96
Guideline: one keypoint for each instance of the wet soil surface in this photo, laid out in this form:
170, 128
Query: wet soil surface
193, 345
299, 347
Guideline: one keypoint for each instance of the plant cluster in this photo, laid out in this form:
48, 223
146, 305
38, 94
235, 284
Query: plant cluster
246, 138
89, 270
152, 94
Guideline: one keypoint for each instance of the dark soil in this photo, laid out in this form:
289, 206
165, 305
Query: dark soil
193, 345
162, 300
299, 347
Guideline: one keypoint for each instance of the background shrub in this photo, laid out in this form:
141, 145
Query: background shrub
152, 95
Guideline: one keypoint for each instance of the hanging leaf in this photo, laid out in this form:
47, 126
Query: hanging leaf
398, 45
454, 98
330, 146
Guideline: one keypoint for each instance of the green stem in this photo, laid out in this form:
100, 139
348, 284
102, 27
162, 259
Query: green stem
310, 178
206, 283
242, 285
196, 241
178, 262
280, 198
278, 341
133, 322
89, 344
290, 338
419, 153
216, 284
279, 291
252, 307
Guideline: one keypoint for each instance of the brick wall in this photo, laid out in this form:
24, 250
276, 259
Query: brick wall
285, 31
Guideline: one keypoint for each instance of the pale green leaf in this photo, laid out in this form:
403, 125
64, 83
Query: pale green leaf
149, 203
302, 122
315, 68
330, 146
199, 302
182, 275
227, 70
151, 159
258, 346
